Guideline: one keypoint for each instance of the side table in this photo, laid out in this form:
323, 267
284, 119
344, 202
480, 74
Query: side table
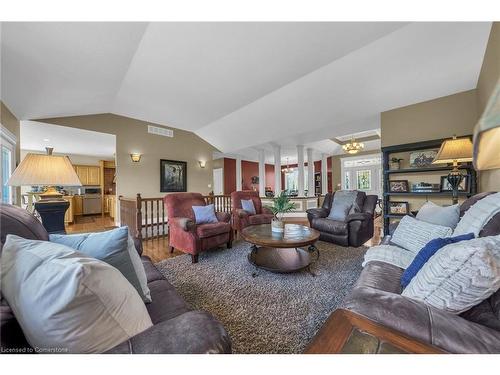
346, 332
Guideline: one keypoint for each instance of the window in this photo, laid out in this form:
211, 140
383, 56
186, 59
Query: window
7, 163
292, 180
364, 179
6, 172
347, 184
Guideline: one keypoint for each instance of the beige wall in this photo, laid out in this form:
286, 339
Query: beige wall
433, 119
490, 74
454, 114
8, 120
132, 136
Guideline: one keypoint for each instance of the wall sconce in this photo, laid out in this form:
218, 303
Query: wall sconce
136, 157
202, 163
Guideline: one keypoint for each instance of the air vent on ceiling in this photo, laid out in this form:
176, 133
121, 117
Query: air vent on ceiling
160, 131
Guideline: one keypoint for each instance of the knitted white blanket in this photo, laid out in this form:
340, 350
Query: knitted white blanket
391, 254
478, 215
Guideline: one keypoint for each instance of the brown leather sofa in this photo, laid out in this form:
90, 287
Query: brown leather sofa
377, 296
242, 218
176, 327
354, 231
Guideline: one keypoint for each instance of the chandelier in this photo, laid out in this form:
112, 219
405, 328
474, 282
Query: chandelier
353, 147
287, 169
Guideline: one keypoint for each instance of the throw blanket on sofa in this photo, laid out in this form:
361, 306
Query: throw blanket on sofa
478, 215
394, 255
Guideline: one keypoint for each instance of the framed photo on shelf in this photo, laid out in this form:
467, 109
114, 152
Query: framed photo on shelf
173, 176
398, 186
399, 208
422, 159
464, 185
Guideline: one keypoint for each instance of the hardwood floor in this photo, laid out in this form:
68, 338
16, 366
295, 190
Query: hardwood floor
90, 223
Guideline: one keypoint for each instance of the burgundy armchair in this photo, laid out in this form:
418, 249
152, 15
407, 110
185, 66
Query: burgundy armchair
185, 235
242, 218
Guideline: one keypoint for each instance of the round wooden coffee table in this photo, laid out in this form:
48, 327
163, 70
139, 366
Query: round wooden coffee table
281, 252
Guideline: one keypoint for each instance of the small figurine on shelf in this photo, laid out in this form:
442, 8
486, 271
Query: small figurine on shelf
395, 163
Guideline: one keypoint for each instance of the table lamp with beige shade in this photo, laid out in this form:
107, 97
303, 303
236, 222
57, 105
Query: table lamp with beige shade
454, 151
47, 170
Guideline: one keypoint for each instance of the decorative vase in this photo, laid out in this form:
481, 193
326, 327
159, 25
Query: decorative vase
277, 226
393, 165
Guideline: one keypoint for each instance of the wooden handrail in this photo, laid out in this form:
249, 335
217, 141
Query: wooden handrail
147, 219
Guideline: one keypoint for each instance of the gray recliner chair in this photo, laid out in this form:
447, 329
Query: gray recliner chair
355, 230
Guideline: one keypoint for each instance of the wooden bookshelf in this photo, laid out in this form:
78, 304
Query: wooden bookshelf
388, 152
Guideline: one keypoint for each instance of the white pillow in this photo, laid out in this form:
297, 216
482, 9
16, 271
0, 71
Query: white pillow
446, 216
65, 300
459, 276
412, 234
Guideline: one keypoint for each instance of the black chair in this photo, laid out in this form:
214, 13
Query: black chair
354, 231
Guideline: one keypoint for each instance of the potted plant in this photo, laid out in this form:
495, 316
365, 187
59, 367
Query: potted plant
395, 163
281, 205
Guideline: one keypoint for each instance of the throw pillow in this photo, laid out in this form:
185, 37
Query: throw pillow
478, 215
248, 206
63, 299
342, 205
459, 276
426, 253
205, 214
114, 247
412, 234
434, 214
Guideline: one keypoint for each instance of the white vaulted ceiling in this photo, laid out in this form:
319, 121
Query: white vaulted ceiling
238, 85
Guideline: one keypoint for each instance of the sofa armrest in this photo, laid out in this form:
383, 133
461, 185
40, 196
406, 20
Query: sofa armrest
267, 210
241, 213
359, 216
224, 217
422, 322
317, 213
183, 223
194, 332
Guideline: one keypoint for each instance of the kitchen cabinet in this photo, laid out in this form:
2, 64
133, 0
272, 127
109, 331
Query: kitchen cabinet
78, 209
89, 175
69, 215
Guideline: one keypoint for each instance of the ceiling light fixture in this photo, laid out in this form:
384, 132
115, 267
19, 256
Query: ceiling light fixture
287, 169
353, 147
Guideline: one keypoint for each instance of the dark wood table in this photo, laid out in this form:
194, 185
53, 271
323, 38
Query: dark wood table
281, 252
346, 332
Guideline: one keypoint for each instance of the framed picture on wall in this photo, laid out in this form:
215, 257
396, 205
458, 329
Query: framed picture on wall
399, 208
173, 176
464, 185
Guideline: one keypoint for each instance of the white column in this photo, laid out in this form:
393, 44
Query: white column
324, 174
300, 162
310, 173
262, 173
238, 173
277, 169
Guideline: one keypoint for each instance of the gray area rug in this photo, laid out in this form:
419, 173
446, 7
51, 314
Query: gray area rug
269, 313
